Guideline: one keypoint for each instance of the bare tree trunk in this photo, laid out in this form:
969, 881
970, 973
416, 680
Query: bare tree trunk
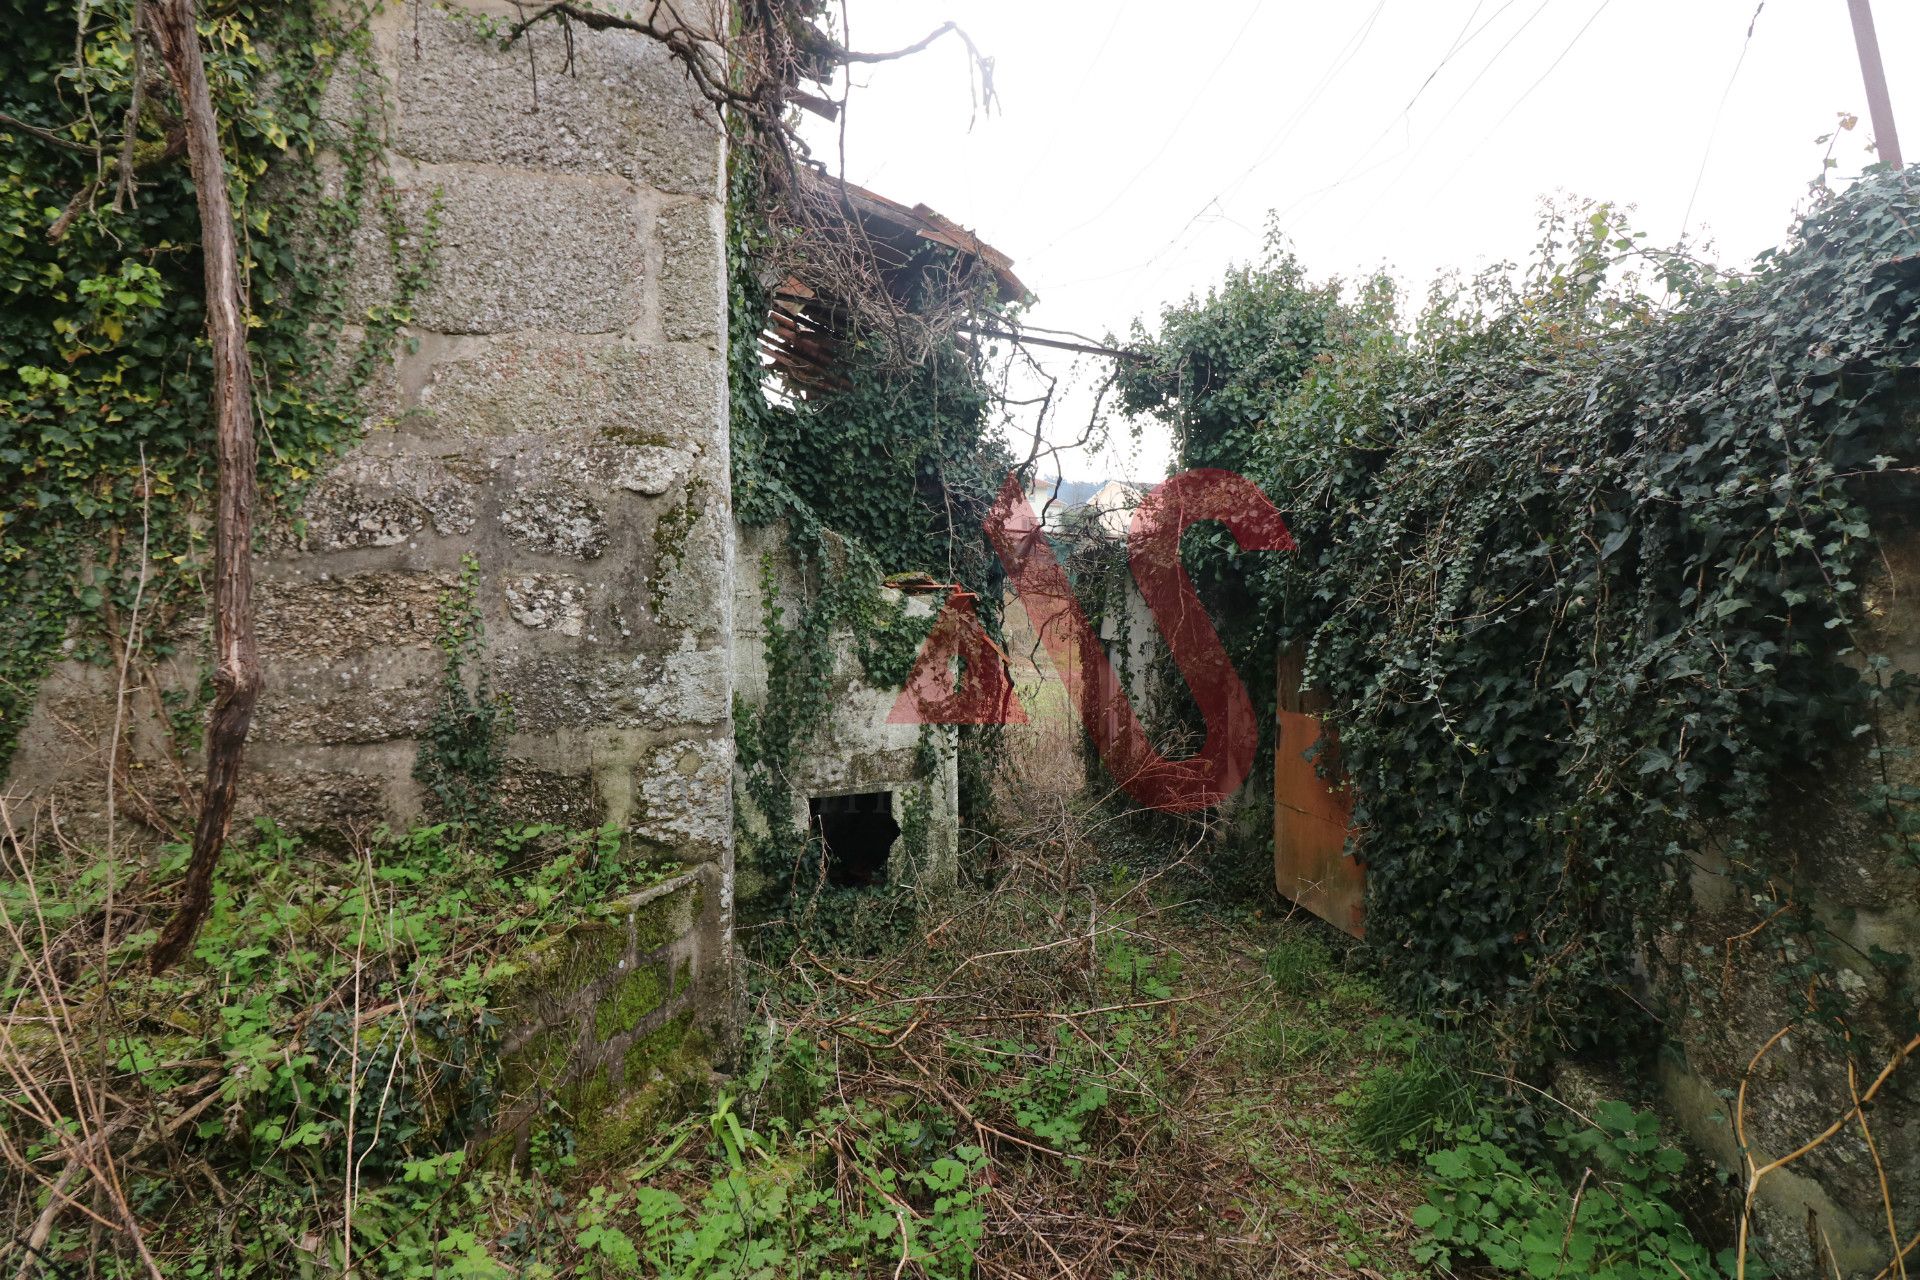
236, 678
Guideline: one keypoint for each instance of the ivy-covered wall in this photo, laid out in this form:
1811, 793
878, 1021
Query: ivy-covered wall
853, 748
105, 433
1724, 998
528, 488
839, 491
1603, 568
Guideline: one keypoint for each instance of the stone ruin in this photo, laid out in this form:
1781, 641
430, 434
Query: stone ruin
557, 416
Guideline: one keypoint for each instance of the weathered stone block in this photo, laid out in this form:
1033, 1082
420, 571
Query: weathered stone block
683, 798
646, 469
299, 714
556, 522
612, 102
557, 975
617, 395
542, 795
691, 687
379, 498
693, 278
547, 602
333, 617
683, 592
521, 251
325, 806
658, 918
601, 1015
551, 692
664, 1073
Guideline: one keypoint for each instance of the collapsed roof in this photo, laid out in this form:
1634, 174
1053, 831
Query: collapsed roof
900, 244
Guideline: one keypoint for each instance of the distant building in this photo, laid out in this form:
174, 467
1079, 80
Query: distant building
1072, 504
1114, 503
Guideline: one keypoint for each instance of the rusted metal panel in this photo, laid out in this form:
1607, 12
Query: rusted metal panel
1311, 819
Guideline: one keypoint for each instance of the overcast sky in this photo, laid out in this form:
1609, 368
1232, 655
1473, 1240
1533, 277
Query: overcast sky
1139, 146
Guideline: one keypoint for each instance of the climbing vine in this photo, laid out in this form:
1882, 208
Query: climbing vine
105, 426
464, 746
888, 476
1583, 572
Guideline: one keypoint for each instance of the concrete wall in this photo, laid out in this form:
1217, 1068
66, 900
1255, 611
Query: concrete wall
855, 750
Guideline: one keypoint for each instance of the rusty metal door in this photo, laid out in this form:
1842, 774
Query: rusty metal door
1310, 818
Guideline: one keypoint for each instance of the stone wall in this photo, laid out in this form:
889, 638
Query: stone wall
554, 417
606, 1022
1725, 988
559, 416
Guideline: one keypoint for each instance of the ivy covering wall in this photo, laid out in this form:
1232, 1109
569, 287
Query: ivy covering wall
1581, 565
890, 475
105, 424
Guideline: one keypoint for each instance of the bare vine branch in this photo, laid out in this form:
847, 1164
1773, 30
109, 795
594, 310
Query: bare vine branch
45, 135
236, 664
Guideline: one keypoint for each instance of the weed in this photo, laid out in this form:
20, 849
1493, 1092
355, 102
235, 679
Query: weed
1299, 963
464, 746
331, 1043
1614, 1223
1405, 1107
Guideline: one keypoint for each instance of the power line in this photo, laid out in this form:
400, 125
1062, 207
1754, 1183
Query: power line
1448, 114
1462, 40
1487, 137
1407, 110
1193, 103
1714, 132
1280, 135
1086, 77
1543, 75
1348, 51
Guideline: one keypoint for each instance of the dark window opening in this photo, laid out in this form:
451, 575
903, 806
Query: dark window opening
858, 832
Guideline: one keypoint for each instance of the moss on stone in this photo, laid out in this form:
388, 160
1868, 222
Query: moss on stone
631, 999
595, 949
665, 1072
586, 1097
556, 977
537, 1063
650, 1050
670, 538
667, 917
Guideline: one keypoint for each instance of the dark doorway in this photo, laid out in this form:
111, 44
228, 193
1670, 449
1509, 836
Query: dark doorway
858, 832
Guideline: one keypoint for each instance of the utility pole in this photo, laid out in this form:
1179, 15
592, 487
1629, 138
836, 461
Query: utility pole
1886, 142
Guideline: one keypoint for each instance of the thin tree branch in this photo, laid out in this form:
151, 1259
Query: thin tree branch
124, 192
45, 135
848, 55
